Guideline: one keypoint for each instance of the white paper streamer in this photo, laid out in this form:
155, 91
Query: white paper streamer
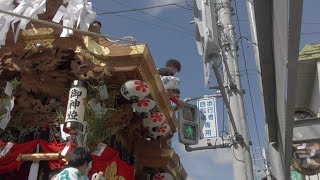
5, 20
34, 169
78, 13
66, 148
29, 8
4, 120
6, 149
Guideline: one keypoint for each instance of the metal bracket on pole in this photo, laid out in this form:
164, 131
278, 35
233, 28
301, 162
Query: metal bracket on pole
222, 143
224, 96
200, 97
307, 122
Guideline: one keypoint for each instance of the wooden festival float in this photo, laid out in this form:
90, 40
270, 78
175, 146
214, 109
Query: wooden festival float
36, 75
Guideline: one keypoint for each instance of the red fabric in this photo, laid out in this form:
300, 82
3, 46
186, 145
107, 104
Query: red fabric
175, 100
109, 155
124, 169
9, 163
54, 147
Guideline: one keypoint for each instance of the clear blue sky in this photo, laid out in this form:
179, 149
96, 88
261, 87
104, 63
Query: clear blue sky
169, 34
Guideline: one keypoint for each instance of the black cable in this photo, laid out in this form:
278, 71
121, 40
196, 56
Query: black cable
184, 7
156, 25
245, 37
248, 81
140, 9
189, 4
223, 117
310, 33
309, 23
161, 19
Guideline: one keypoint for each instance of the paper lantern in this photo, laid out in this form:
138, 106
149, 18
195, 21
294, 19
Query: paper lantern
144, 105
170, 82
135, 90
163, 176
76, 108
160, 131
156, 119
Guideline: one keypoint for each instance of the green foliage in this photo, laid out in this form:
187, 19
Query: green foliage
17, 134
98, 117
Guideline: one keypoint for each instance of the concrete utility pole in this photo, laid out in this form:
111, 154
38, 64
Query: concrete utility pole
242, 164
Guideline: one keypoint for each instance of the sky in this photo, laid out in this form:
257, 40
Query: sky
169, 33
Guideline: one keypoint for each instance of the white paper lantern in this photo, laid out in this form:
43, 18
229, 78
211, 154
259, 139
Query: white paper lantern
76, 108
163, 176
170, 82
135, 90
160, 132
156, 119
144, 105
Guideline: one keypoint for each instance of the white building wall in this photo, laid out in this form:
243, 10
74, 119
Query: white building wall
315, 100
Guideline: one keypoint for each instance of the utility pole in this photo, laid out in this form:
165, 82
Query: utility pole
242, 164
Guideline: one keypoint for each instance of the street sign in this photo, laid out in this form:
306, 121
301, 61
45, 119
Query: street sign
188, 117
208, 118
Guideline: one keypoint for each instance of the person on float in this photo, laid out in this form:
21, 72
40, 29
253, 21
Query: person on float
170, 82
79, 165
173, 66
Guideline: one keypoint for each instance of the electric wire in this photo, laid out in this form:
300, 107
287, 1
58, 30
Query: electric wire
307, 22
111, 39
148, 14
189, 4
141, 9
309, 33
155, 25
248, 81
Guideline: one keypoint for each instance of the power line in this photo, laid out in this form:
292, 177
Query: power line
310, 33
188, 4
248, 81
141, 9
156, 25
307, 22
161, 19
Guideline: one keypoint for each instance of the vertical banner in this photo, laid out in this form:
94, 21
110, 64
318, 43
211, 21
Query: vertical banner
208, 118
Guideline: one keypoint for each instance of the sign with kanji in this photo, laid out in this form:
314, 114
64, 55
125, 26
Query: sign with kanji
208, 117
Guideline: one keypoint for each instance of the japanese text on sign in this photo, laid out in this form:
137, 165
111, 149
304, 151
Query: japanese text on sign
208, 117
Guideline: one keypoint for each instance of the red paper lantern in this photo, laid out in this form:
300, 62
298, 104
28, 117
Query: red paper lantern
135, 90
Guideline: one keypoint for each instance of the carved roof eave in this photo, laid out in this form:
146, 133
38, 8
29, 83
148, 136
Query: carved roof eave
116, 57
141, 58
125, 57
149, 154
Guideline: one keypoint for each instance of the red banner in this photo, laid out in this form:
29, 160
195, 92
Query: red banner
109, 162
9, 162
